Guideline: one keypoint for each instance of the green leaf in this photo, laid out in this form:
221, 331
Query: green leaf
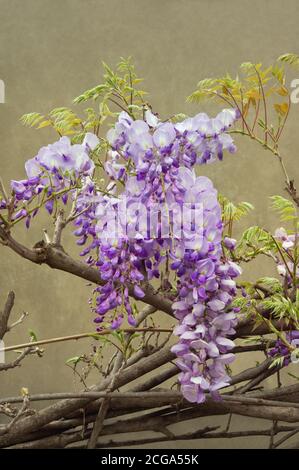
255, 233
31, 119
32, 335
291, 59
284, 207
74, 360
43, 124
92, 93
281, 108
278, 73
278, 362
231, 211
271, 283
247, 67
205, 89
279, 306
241, 302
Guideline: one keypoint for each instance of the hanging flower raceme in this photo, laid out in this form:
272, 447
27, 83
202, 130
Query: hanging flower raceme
206, 287
206, 322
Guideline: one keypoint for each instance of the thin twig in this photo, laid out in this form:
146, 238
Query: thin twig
85, 335
4, 315
285, 438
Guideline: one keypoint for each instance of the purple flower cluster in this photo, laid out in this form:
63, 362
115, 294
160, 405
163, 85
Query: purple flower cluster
285, 268
155, 147
51, 174
206, 287
281, 350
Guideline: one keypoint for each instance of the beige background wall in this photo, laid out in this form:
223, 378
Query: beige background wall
50, 50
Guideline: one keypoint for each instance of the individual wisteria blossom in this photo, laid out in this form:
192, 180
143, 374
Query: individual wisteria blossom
287, 240
230, 243
155, 215
285, 266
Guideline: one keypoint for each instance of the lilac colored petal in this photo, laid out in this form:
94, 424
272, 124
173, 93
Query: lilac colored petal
18, 186
90, 140
138, 292
151, 119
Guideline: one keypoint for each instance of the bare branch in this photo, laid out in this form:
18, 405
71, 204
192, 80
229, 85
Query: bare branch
103, 410
258, 379
18, 360
285, 438
198, 434
4, 315
46, 236
21, 412
56, 258
65, 407
251, 373
86, 335
205, 433
59, 226
157, 379
17, 322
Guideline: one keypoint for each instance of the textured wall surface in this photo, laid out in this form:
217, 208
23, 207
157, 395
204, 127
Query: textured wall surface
50, 51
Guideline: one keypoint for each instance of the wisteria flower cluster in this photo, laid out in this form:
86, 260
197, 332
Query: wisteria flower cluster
282, 349
51, 174
154, 147
137, 229
289, 272
206, 289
